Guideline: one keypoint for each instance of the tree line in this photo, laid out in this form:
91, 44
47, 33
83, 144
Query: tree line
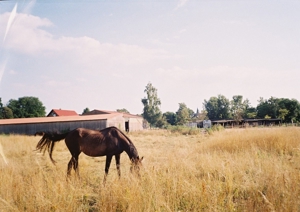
24, 107
215, 108
219, 108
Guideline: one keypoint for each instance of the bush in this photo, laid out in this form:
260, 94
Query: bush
214, 128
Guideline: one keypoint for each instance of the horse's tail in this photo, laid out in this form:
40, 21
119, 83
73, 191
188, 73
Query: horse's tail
47, 142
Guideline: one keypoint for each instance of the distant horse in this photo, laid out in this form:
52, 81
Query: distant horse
110, 142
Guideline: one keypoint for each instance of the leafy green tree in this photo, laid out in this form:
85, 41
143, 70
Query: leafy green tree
26, 107
86, 110
162, 122
183, 114
151, 111
283, 113
251, 113
122, 110
211, 106
286, 109
170, 117
267, 107
5, 112
239, 107
293, 108
217, 107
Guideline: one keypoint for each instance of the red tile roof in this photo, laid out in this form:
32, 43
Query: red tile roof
60, 112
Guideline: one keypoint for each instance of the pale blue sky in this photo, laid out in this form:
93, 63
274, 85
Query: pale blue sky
102, 54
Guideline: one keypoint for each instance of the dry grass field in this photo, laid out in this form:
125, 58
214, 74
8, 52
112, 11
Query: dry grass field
255, 169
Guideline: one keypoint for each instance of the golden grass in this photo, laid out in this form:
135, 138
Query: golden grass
255, 169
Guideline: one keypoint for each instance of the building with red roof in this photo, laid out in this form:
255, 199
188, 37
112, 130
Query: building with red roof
60, 112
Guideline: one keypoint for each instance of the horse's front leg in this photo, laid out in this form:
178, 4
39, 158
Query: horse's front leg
73, 163
118, 164
107, 165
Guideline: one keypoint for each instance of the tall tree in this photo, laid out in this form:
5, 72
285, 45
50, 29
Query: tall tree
211, 106
217, 107
183, 114
239, 107
26, 107
151, 111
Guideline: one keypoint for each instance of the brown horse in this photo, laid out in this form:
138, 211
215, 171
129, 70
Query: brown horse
110, 142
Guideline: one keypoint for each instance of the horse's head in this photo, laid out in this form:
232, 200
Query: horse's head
136, 163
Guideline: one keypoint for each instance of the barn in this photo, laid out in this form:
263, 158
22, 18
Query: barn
29, 126
131, 122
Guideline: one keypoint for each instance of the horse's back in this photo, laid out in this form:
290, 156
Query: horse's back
91, 142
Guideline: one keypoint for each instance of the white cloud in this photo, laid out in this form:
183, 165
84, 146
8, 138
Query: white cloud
25, 34
12, 72
56, 83
217, 72
181, 3
28, 36
177, 73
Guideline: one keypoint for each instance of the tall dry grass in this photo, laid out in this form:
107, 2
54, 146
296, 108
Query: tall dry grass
231, 170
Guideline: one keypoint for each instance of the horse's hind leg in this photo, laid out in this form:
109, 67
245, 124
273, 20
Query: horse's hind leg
118, 164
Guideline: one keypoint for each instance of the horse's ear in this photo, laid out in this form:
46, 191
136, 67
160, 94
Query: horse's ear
141, 159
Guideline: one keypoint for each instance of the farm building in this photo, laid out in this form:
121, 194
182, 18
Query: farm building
247, 122
264, 122
132, 122
29, 126
60, 112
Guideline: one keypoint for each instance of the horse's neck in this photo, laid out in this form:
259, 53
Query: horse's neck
131, 151
128, 146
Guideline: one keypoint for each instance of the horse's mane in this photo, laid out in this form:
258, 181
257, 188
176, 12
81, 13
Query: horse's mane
106, 130
124, 136
133, 149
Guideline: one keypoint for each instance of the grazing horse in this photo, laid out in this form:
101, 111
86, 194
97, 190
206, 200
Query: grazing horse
110, 142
